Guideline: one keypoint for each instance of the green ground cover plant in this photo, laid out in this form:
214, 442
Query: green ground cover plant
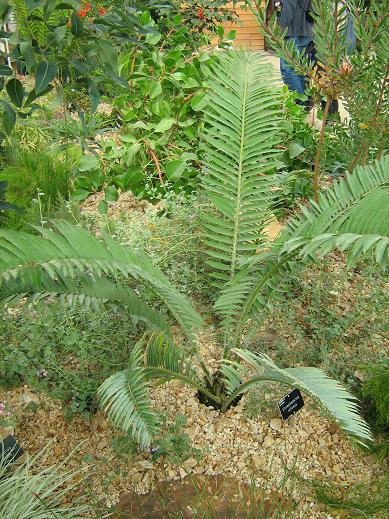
38, 171
64, 353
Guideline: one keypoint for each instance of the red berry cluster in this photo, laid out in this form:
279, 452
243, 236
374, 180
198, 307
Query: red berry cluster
200, 14
87, 8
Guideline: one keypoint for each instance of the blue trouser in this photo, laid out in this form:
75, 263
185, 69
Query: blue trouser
289, 76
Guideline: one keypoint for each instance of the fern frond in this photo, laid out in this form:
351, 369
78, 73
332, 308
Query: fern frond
352, 214
162, 352
86, 291
36, 261
241, 142
124, 396
330, 395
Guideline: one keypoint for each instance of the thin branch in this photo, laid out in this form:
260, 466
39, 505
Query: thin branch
318, 150
157, 165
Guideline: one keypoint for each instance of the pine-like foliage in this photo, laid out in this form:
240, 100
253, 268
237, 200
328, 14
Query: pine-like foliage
241, 138
76, 266
329, 394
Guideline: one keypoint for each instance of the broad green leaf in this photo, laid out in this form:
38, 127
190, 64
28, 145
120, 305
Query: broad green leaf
76, 25
5, 70
28, 54
153, 38
80, 195
111, 194
131, 153
56, 36
58, 100
175, 169
164, 125
145, 18
103, 207
88, 162
128, 138
9, 117
94, 96
190, 82
203, 57
45, 73
179, 76
108, 55
32, 96
295, 149
15, 91
155, 88
198, 102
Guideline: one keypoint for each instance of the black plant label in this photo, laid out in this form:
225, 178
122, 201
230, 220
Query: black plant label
290, 404
10, 450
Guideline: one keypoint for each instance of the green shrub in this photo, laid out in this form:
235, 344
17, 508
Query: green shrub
37, 171
377, 388
64, 352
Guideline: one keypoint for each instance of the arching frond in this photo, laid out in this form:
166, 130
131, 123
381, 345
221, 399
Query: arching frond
125, 397
330, 395
38, 262
163, 353
86, 291
241, 139
167, 361
352, 215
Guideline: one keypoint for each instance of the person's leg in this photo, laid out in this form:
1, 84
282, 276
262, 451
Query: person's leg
294, 81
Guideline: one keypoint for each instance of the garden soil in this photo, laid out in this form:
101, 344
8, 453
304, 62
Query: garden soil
256, 450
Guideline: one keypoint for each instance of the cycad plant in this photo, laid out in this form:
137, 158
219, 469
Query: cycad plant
247, 270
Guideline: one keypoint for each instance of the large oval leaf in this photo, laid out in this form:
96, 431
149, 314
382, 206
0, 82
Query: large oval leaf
15, 91
9, 117
45, 73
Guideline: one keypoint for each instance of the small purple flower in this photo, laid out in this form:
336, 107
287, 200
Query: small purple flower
41, 373
153, 450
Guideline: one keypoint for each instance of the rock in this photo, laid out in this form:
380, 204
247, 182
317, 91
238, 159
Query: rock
276, 424
147, 477
259, 462
28, 397
332, 428
268, 442
145, 465
7, 431
190, 463
359, 375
